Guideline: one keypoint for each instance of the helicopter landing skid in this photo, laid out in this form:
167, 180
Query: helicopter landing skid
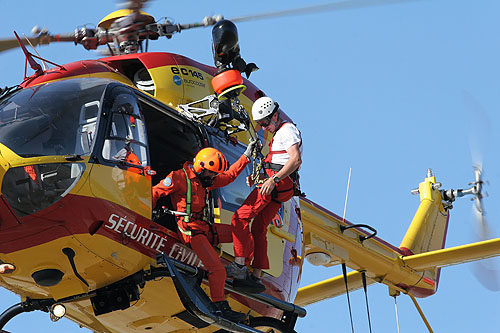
188, 287
27, 306
195, 300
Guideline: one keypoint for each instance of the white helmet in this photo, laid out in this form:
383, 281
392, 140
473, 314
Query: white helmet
263, 107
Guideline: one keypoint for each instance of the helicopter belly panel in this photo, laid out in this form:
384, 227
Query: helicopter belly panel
91, 268
156, 311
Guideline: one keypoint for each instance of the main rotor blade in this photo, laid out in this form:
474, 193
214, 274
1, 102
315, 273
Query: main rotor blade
134, 5
333, 6
7, 44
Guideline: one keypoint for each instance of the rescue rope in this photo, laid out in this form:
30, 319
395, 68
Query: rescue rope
363, 278
397, 316
344, 272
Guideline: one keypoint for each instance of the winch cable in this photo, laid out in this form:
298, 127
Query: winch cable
363, 278
397, 316
344, 272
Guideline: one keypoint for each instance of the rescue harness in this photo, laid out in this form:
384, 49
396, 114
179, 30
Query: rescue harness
188, 214
265, 163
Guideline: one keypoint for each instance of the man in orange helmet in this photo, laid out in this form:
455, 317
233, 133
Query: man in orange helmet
188, 189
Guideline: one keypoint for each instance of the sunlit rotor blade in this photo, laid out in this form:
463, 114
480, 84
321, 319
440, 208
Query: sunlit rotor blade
483, 230
486, 271
479, 131
327, 7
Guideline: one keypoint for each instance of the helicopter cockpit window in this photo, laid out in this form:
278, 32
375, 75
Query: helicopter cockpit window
57, 118
88, 122
126, 139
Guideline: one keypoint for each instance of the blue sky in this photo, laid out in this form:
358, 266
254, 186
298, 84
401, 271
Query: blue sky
377, 89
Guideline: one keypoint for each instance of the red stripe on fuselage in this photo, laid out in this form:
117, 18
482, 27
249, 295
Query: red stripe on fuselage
78, 68
73, 215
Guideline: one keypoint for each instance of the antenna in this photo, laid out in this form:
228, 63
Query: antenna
29, 57
29, 42
347, 194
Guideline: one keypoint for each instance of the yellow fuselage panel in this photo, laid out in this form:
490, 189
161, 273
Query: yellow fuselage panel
96, 270
123, 187
182, 84
427, 231
377, 258
154, 312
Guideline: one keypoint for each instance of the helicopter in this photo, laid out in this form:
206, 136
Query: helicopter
355, 169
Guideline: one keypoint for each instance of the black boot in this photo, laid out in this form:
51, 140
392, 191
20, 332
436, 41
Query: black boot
250, 284
225, 311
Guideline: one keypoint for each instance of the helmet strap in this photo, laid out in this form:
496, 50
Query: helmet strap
205, 180
276, 123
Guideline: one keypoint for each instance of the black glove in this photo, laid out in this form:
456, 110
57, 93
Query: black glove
250, 148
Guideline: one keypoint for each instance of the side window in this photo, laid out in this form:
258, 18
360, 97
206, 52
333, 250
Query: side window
236, 192
87, 122
126, 139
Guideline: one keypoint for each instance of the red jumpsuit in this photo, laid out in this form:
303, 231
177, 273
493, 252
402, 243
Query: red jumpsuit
202, 238
262, 209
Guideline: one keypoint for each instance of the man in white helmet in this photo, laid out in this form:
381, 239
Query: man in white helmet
281, 165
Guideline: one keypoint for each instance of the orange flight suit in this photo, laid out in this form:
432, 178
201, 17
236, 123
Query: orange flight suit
203, 236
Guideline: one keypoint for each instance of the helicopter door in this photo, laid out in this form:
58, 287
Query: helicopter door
172, 141
229, 198
122, 174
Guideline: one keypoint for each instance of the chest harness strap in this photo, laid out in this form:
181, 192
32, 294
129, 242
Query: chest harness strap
266, 164
188, 197
186, 219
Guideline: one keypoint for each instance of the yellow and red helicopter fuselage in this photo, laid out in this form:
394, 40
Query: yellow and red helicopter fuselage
76, 216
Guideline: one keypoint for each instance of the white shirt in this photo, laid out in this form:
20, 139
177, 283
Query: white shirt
284, 138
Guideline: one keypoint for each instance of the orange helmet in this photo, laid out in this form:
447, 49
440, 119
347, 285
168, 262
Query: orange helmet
210, 159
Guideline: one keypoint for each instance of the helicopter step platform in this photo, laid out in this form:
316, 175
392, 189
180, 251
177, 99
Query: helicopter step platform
187, 282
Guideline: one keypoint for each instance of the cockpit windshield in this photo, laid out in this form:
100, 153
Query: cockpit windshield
58, 118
